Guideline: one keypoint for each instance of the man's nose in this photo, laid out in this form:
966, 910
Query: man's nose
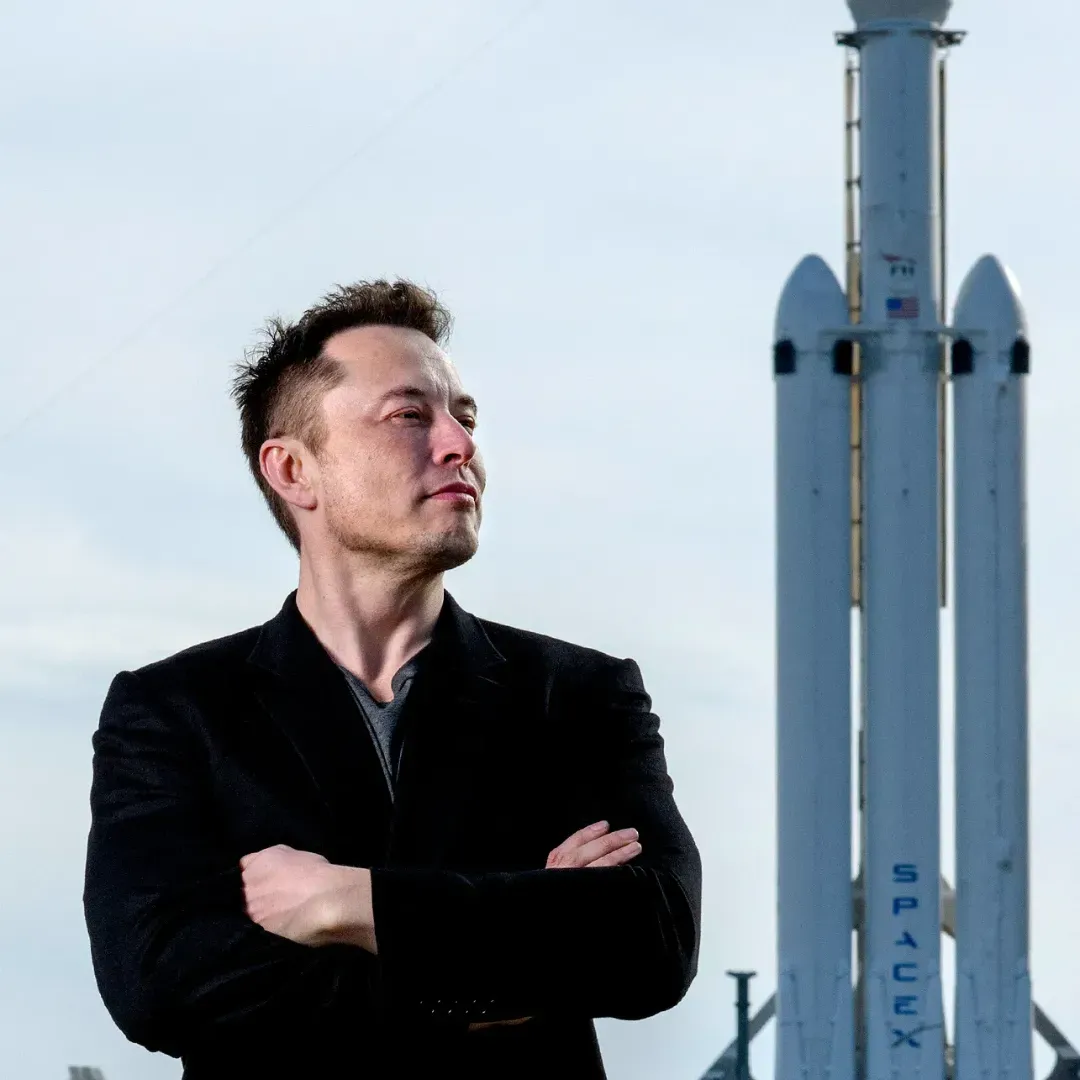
453, 442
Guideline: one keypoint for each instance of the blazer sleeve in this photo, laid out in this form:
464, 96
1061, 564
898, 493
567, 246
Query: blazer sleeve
617, 941
179, 965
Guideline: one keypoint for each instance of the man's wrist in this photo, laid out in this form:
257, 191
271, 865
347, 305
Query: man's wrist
349, 916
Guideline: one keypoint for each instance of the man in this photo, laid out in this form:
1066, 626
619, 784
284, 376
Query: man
325, 846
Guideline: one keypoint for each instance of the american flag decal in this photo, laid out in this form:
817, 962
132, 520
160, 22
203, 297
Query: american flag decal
902, 307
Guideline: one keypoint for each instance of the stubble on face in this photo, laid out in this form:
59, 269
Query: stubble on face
380, 462
419, 551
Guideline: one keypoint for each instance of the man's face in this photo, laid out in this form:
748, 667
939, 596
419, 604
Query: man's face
399, 432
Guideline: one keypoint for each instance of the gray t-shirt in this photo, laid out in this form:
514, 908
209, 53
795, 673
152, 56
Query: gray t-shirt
382, 717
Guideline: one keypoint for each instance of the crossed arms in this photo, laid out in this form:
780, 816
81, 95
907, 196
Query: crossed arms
303, 897
192, 950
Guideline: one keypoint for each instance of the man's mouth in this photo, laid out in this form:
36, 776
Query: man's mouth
456, 492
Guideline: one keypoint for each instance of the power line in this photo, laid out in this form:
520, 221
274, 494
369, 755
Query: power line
272, 223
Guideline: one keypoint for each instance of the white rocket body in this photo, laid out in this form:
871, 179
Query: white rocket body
900, 341
993, 986
813, 422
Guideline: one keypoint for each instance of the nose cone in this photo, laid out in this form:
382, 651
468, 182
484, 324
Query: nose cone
989, 300
812, 300
932, 11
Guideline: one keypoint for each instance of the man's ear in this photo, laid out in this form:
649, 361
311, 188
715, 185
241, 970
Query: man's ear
290, 469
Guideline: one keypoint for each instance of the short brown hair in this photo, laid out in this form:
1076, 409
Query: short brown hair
279, 385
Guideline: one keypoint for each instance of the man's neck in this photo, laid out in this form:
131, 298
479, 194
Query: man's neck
370, 622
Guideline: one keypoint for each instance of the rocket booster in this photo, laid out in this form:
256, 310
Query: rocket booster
813, 419
993, 986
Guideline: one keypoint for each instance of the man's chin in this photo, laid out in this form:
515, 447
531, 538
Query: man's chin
431, 552
441, 553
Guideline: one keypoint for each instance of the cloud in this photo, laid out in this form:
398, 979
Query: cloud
75, 607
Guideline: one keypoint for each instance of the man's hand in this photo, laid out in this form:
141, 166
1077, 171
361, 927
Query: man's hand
592, 846
595, 846
301, 896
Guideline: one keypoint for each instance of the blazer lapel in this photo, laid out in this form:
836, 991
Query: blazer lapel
459, 694
306, 696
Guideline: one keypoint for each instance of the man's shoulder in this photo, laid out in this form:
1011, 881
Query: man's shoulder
218, 657
529, 646
562, 669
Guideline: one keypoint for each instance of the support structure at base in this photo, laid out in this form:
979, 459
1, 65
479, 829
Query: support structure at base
1067, 1057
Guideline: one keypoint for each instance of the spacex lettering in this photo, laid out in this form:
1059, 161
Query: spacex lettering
905, 971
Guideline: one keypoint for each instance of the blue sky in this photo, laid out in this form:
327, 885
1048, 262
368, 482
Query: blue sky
609, 197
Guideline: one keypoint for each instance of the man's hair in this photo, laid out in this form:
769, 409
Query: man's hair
280, 383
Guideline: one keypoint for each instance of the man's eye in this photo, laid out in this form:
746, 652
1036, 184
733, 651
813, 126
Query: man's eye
468, 422
411, 414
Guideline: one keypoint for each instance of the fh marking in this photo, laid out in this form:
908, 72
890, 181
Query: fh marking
900, 266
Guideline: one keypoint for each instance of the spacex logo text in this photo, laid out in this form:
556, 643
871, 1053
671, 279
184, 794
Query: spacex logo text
906, 970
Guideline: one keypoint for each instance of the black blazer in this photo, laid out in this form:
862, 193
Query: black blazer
511, 742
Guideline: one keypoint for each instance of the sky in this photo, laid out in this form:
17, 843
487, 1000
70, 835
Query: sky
609, 195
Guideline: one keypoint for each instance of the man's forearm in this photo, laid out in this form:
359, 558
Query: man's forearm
302, 896
616, 942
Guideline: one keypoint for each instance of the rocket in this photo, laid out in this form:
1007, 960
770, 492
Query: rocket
862, 377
